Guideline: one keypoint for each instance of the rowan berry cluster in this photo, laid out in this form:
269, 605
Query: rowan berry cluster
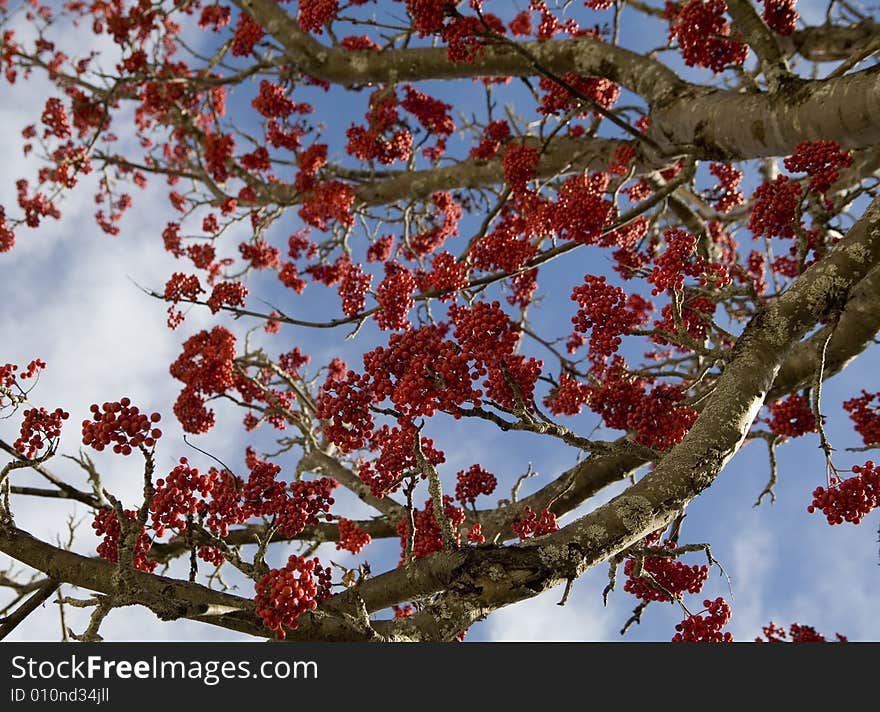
381, 249
699, 629
474, 482
559, 99
695, 319
106, 524
659, 421
314, 14
361, 42
353, 289
215, 16
604, 310
421, 371
394, 297
329, 201
428, 15
655, 418
463, 36
530, 524
284, 594
396, 458
728, 192
7, 236
703, 36
675, 263
247, 33
670, 576
428, 537
351, 537
227, 294
180, 287
448, 275
850, 499
432, 114
520, 165
205, 368
308, 500
819, 160
780, 16
791, 417
865, 416
494, 135
580, 211
260, 254
568, 397
775, 209
120, 423
39, 429
798, 634
174, 496
444, 221
344, 407
475, 534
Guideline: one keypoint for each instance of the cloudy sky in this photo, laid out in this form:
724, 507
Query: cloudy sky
68, 294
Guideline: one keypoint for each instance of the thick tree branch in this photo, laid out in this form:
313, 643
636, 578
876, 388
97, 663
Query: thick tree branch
585, 56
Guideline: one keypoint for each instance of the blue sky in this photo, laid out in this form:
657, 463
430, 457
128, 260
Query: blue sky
69, 296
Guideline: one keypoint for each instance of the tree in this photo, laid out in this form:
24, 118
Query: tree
534, 223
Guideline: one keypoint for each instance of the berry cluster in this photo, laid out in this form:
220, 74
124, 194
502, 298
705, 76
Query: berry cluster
494, 135
673, 576
174, 497
284, 594
180, 287
350, 537
531, 524
39, 429
218, 148
865, 416
568, 397
697, 629
428, 537
314, 14
775, 208
394, 297
106, 524
580, 211
421, 372
819, 160
474, 482
703, 36
475, 534
227, 294
448, 275
605, 310
728, 192
780, 16
247, 34
308, 500
791, 417
396, 457
205, 368
344, 407
520, 165
675, 263
328, 201
624, 403
559, 99
353, 289
850, 499
798, 634
120, 423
